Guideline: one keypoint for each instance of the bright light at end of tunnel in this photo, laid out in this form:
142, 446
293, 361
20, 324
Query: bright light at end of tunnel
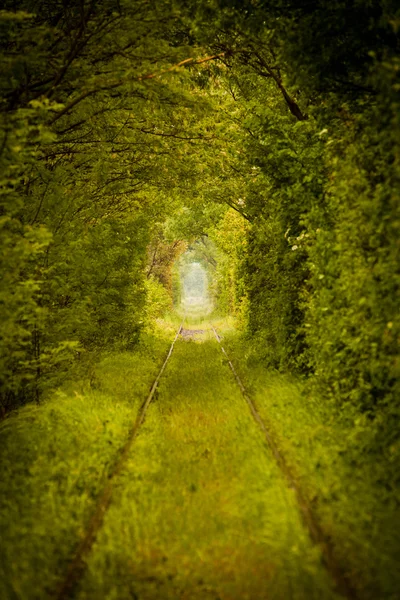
195, 293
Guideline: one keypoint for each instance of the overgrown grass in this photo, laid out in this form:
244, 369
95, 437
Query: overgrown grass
350, 488
201, 510
54, 461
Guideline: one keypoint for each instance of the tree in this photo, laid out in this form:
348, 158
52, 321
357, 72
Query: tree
90, 139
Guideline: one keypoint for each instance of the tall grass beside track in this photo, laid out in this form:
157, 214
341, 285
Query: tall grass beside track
201, 510
54, 460
351, 489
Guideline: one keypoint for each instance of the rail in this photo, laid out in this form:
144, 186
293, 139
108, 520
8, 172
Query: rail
343, 585
77, 565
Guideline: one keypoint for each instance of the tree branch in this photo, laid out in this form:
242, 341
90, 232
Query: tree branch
88, 93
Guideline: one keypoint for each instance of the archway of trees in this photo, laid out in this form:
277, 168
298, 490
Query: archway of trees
268, 129
259, 138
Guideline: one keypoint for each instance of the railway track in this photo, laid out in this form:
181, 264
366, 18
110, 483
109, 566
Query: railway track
77, 564
343, 585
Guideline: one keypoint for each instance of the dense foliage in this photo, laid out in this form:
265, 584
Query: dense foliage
317, 91
88, 154
260, 138
127, 131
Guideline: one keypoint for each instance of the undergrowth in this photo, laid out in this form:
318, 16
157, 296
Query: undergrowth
201, 510
55, 458
354, 492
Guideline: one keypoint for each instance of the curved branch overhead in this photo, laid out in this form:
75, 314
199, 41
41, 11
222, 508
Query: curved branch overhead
259, 142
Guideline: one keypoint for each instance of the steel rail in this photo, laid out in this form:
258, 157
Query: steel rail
343, 585
77, 565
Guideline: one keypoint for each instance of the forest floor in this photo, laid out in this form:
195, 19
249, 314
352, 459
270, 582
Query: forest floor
201, 509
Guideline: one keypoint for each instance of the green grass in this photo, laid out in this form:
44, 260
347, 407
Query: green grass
347, 486
201, 510
54, 460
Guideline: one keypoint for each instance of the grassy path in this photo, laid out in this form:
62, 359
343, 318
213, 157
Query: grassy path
55, 459
201, 510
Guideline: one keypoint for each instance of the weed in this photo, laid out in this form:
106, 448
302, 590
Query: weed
54, 461
348, 488
201, 510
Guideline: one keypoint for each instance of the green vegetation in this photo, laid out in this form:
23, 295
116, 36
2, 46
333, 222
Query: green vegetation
329, 456
201, 510
201, 499
257, 139
108, 178
54, 463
